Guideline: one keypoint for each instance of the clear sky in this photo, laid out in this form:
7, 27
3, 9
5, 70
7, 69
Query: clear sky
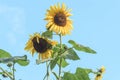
96, 24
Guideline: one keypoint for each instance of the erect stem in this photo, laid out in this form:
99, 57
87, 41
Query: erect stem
60, 57
47, 74
11, 77
13, 69
47, 70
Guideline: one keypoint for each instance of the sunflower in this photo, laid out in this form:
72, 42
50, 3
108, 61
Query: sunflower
98, 77
41, 45
58, 19
100, 73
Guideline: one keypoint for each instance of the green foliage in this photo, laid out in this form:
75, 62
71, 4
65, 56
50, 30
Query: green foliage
23, 62
88, 70
61, 53
47, 34
53, 63
81, 47
64, 63
1, 72
70, 76
4, 54
70, 54
80, 74
10, 61
55, 75
65, 52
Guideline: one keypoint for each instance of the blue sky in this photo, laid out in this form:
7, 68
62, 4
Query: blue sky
96, 24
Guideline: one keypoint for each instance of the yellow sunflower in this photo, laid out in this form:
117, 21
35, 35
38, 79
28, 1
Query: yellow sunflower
98, 77
101, 71
41, 45
58, 19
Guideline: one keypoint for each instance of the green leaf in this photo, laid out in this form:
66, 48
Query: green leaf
70, 76
64, 63
82, 74
81, 47
47, 34
1, 72
53, 63
56, 50
84, 49
88, 70
23, 62
55, 75
4, 54
70, 54
72, 42
64, 47
12, 59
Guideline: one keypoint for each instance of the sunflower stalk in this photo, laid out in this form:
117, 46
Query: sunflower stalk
47, 71
10, 76
47, 74
13, 69
60, 67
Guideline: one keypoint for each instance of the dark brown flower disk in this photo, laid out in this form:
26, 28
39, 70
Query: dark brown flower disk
42, 46
60, 19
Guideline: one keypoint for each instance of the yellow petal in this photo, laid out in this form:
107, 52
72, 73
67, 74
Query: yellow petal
68, 14
58, 6
51, 28
63, 7
49, 24
32, 51
49, 18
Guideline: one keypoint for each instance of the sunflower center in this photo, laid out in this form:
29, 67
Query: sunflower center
60, 19
42, 46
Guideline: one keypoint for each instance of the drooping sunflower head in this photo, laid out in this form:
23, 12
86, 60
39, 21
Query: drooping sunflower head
41, 45
100, 73
58, 19
102, 69
98, 77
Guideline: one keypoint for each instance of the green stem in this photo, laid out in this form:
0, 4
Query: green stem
13, 70
6, 73
47, 70
60, 57
47, 74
